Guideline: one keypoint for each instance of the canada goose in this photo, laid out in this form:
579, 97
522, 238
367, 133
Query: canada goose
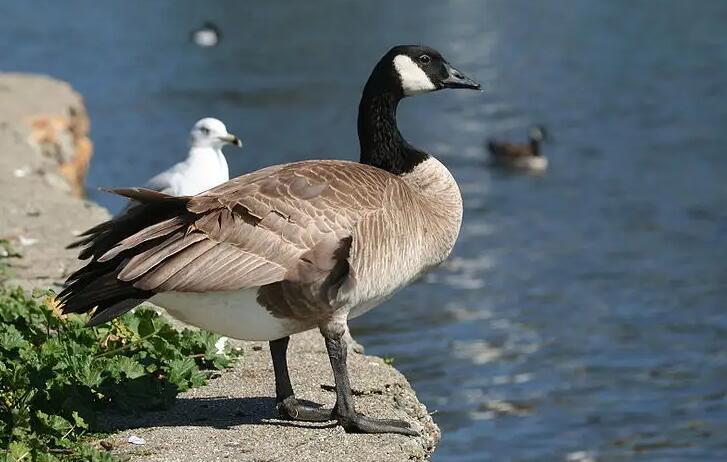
290, 247
208, 35
205, 166
521, 156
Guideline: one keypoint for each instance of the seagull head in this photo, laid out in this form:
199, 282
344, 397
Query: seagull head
211, 133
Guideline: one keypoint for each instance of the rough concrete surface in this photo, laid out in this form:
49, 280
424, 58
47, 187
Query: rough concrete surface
233, 417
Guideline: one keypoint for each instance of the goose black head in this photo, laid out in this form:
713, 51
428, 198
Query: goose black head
409, 70
538, 134
405, 70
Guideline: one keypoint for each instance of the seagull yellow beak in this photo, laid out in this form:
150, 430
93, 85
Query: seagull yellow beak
232, 139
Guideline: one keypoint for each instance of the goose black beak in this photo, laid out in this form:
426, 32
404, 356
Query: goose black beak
457, 79
232, 139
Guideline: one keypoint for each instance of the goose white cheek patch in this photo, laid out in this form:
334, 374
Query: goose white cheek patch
414, 80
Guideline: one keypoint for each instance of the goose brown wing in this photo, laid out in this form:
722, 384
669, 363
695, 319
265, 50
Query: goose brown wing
280, 223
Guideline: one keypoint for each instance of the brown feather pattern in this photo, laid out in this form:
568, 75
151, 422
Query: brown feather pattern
301, 232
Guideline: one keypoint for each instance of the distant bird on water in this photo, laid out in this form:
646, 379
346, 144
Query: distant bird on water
209, 35
520, 156
205, 166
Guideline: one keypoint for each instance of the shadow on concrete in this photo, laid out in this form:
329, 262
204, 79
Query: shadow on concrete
221, 413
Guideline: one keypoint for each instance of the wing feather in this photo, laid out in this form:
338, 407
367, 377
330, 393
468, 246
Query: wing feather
292, 230
255, 229
162, 277
145, 261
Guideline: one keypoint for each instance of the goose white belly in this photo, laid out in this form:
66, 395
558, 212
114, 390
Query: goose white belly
537, 164
234, 314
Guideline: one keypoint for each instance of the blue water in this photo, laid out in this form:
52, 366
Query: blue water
582, 315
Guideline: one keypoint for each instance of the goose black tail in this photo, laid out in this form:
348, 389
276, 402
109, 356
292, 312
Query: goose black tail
96, 286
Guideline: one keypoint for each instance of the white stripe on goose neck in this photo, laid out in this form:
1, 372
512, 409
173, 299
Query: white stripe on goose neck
414, 81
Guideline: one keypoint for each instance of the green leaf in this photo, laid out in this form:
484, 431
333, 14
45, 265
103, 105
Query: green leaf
219, 361
18, 451
146, 326
11, 338
57, 376
131, 322
54, 423
180, 371
132, 369
88, 373
78, 421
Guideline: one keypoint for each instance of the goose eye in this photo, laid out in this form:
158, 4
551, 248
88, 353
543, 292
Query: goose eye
425, 59
205, 131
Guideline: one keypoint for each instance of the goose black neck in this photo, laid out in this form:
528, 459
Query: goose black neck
535, 146
381, 142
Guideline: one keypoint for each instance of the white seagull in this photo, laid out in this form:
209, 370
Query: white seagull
205, 166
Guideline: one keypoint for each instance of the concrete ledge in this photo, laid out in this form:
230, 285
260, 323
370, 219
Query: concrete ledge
233, 418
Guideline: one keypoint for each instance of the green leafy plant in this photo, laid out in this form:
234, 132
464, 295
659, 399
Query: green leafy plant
56, 375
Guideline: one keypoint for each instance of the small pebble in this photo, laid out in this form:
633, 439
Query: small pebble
21, 172
257, 347
27, 241
133, 439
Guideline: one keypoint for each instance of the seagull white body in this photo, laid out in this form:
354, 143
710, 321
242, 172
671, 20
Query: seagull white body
205, 166
203, 169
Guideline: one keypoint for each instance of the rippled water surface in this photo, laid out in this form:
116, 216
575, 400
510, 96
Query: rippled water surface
582, 314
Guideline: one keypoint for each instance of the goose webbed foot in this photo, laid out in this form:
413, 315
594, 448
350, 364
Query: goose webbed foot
292, 409
345, 411
359, 423
287, 404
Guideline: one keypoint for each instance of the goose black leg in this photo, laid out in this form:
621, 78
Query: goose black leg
344, 411
288, 406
